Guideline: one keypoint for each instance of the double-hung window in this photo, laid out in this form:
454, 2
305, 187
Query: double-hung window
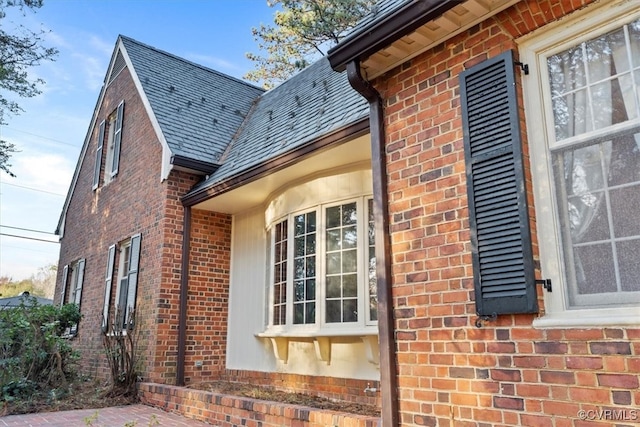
123, 263
113, 127
586, 163
72, 280
323, 267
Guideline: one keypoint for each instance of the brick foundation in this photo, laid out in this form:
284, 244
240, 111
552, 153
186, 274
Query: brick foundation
229, 411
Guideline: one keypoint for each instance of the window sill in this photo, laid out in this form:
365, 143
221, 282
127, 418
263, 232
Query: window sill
322, 342
589, 318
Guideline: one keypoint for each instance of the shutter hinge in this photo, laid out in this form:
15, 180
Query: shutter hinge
523, 66
481, 320
546, 283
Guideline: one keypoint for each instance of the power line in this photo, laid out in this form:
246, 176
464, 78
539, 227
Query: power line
33, 189
25, 249
43, 137
28, 229
28, 238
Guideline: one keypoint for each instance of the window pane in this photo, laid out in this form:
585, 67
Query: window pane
333, 217
629, 266
310, 266
299, 290
280, 273
310, 312
598, 192
333, 240
333, 263
600, 55
342, 262
594, 268
304, 266
350, 284
333, 311
311, 288
634, 35
349, 214
311, 243
371, 264
349, 237
625, 203
591, 84
349, 261
311, 222
298, 314
350, 310
334, 286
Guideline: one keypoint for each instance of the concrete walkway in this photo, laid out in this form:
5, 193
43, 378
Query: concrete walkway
119, 416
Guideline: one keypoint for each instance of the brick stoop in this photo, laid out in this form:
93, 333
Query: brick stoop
223, 410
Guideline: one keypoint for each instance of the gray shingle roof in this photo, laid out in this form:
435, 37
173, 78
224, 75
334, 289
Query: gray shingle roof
307, 106
381, 10
198, 109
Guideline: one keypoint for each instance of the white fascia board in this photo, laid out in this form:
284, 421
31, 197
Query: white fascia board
166, 151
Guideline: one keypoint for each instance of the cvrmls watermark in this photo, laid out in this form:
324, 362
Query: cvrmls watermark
609, 414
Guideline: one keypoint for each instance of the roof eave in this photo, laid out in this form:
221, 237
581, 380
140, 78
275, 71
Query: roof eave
353, 130
195, 165
386, 30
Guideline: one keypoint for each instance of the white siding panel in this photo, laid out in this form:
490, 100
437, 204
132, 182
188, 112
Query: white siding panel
248, 295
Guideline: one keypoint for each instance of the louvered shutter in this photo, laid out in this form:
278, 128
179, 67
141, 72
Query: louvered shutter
65, 279
98, 165
111, 257
499, 218
77, 292
77, 295
117, 138
134, 263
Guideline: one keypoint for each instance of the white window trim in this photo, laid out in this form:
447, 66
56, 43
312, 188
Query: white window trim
534, 48
364, 326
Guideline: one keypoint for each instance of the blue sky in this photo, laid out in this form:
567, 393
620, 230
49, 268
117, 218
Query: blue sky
50, 132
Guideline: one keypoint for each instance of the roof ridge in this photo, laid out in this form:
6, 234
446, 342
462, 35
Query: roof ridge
186, 61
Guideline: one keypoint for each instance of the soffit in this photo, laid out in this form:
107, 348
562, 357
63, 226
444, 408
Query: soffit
454, 21
353, 154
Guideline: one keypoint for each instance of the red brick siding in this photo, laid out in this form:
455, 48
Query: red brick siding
230, 411
451, 373
136, 201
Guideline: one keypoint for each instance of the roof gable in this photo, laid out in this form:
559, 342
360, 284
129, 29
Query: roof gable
197, 109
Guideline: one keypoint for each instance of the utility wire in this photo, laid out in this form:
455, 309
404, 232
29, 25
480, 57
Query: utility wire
33, 189
28, 238
43, 137
25, 249
28, 229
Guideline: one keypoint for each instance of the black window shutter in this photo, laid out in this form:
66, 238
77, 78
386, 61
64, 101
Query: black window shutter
111, 258
77, 294
134, 266
502, 256
65, 280
98, 165
117, 139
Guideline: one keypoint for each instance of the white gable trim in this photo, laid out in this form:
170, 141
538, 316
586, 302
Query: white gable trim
166, 151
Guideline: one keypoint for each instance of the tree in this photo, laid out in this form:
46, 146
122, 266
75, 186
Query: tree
20, 49
304, 30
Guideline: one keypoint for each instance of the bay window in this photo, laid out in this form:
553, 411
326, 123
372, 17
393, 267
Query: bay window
323, 267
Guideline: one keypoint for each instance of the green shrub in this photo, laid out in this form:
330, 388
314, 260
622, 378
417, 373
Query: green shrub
34, 355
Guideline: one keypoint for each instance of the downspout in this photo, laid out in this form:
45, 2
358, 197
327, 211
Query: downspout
388, 369
184, 287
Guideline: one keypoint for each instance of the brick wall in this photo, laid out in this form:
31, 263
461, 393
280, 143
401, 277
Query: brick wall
450, 372
131, 203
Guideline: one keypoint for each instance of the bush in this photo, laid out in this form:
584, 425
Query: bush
34, 356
